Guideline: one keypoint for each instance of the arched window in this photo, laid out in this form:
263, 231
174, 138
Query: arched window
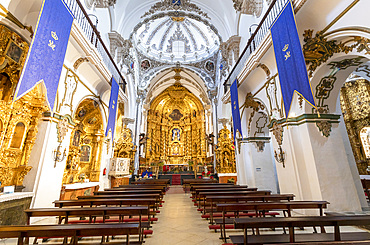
18, 135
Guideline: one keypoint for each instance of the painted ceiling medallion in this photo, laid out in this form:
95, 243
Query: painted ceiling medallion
166, 5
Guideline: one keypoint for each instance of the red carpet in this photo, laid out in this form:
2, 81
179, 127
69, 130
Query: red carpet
176, 179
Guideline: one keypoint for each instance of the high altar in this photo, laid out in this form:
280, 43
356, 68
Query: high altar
176, 129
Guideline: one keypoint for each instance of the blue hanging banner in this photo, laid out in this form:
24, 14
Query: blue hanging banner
237, 126
289, 59
111, 125
45, 58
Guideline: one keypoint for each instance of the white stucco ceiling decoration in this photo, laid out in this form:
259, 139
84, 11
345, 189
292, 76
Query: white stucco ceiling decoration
183, 5
176, 36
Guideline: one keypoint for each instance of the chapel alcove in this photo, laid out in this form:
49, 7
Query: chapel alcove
19, 120
355, 104
84, 156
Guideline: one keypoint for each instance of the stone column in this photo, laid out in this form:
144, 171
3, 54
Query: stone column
317, 167
215, 126
45, 177
139, 100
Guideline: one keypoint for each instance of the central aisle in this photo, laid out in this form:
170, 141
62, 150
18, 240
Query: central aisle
179, 223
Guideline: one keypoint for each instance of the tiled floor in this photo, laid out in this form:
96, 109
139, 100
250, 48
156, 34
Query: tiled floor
179, 223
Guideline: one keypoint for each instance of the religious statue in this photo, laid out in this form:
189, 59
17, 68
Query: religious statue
176, 134
225, 161
71, 86
176, 150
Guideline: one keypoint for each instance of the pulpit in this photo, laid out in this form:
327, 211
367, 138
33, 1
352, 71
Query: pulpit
119, 171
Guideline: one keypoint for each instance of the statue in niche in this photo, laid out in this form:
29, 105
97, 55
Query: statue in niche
76, 138
225, 161
176, 150
5, 87
176, 134
71, 86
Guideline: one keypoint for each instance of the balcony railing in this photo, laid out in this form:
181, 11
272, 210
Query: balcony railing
93, 35
255, 40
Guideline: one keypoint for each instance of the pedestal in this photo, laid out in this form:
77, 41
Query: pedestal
71, 192
12, 208
117, 181
223, 178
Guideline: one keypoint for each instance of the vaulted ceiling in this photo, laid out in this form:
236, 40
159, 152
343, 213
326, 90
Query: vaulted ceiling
127, 14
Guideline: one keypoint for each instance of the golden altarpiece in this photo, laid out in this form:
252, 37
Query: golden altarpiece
225, 152
355, 104
85, 149
124, 147
176, 128
18, 120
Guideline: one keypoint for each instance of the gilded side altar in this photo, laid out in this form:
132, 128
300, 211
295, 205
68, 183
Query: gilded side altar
225, 153
18, 120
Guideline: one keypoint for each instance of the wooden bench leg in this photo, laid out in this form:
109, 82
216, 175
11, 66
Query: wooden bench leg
20, 240
337, 233
245, 236
291, 234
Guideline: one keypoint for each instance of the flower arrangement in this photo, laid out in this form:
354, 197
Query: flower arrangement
204, 174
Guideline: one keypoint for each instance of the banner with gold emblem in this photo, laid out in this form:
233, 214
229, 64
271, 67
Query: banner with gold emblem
112, 108
45, 58
289, 58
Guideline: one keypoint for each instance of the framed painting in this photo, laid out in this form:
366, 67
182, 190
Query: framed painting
14, 52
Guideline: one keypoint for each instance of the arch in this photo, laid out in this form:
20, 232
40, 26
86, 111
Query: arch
167, 76
346, 51
176, 127
18, 135
86, 141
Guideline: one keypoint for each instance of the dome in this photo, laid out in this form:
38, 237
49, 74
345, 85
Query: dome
176, 37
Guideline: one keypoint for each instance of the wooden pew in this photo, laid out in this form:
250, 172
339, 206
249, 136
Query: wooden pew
199, 197
152, 181
301, 221
157, 196
366, 187
128, 192
138, 194
214, 200
137, 187
232, 193
200, 194
366, 242
92, 213
73, 231
188, 182
210, 186
149, 202
100, 202
258, 207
